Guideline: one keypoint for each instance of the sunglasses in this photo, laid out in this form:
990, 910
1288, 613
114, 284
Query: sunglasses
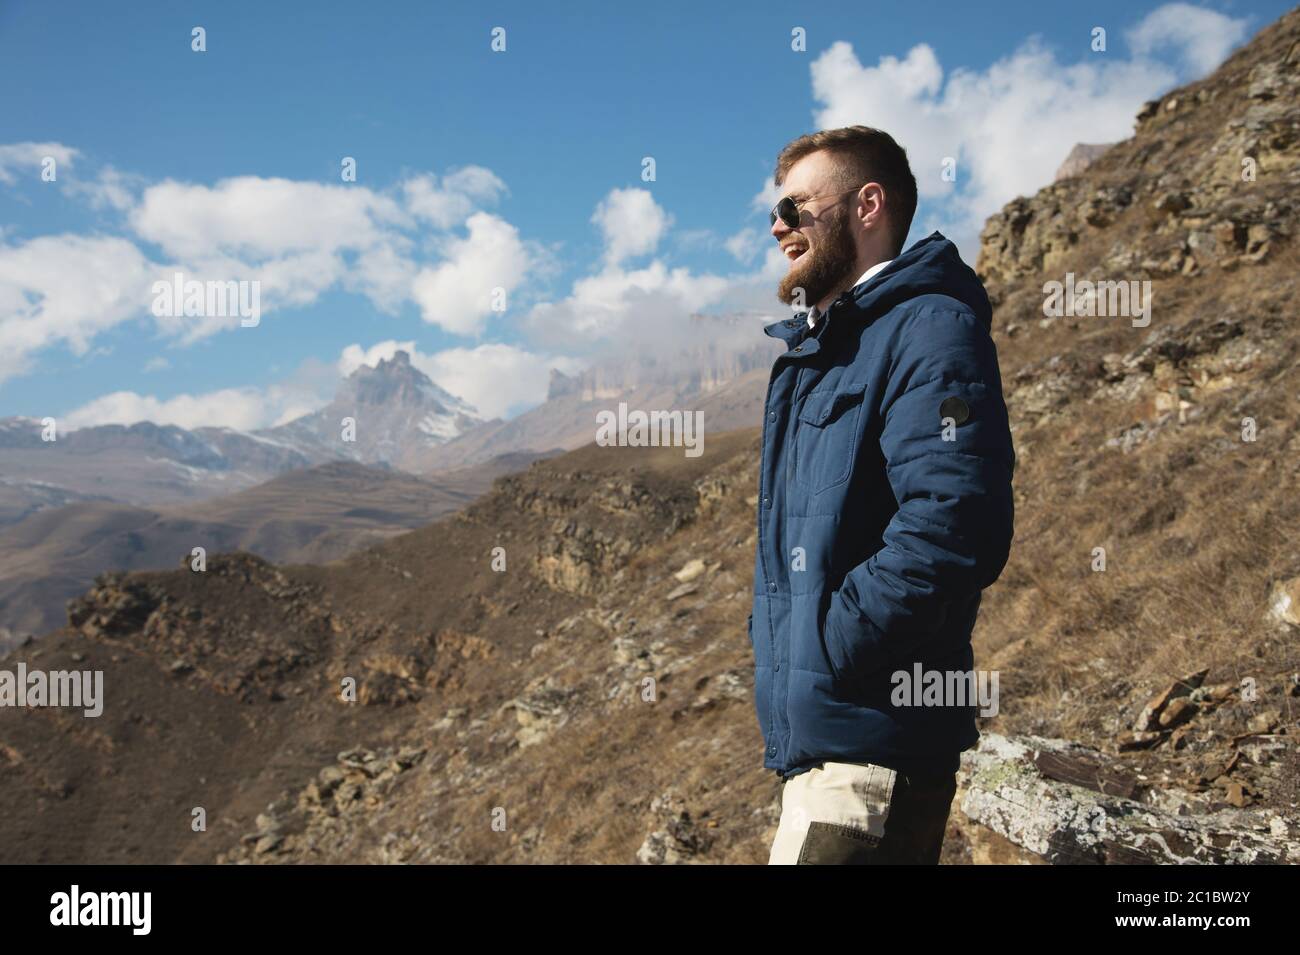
787, 210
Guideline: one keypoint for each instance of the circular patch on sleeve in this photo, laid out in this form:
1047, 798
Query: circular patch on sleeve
954, 408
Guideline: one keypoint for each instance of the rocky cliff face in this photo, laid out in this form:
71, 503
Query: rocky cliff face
1207, 185
560, 673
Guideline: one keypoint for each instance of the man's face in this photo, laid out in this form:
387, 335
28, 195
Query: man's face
820, 249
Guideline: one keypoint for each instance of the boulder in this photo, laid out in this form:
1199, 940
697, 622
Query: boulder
1071, 804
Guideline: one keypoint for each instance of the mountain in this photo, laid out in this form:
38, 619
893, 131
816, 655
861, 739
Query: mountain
313, 514
398, 412
401, 419
140, 464
596, 688
728, 349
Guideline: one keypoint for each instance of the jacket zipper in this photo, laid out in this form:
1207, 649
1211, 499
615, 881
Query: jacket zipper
771, 630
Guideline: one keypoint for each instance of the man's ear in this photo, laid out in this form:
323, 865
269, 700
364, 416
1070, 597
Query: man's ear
871, 205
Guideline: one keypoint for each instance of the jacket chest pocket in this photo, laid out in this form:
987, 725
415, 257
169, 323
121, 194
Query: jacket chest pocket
826, 436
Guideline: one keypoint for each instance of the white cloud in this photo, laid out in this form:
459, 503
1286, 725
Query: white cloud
775, 264
1008, 126
767, 198
616, 303
354, 356
110, 189
612, 289
309, 387
243, 408
289, 281
496, 379
67, 289
301, 239
261, 218
450, 203
298, 240
617, 300
1202, 38
476, 182
383, 274
746, 244
898, 96
457, 294
26, 159
688, 241
631, 222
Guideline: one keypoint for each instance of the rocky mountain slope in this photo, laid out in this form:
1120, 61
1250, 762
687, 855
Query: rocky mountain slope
1171, 446
314, 514
590, 699
127, 497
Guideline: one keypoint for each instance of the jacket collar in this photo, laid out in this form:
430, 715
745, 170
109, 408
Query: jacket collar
931, 264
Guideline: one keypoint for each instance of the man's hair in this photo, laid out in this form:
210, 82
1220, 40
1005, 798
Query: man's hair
864, 155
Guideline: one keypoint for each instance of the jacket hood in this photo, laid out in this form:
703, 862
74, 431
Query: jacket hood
930, 266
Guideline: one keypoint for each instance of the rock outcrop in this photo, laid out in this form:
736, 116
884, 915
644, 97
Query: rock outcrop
1080, 158
1072, 805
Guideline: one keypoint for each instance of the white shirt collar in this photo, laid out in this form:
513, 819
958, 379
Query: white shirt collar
814, 314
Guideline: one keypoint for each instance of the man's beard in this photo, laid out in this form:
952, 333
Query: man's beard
824, 267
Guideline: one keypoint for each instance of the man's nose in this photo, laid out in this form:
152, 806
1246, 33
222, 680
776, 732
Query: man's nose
779, 228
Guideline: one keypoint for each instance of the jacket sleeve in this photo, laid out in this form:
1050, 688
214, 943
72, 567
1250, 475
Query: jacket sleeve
951, 534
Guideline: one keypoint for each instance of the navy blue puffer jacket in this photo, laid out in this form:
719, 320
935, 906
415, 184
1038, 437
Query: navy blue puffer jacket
884, 508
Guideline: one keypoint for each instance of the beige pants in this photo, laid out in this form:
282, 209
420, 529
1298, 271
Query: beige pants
838, 814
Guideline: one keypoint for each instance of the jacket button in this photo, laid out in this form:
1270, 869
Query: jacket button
953, 407
767, 502
771, 586
797, 348
771, 751
776, 668
771, 416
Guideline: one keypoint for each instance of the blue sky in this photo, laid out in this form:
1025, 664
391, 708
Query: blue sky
518, 170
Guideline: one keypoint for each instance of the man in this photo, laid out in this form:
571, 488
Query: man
884, 509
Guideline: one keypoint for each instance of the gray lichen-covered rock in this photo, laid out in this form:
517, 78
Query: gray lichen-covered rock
677, 839
1072, 805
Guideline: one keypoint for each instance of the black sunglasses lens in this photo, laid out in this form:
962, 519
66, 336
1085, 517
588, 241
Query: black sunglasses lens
788, 213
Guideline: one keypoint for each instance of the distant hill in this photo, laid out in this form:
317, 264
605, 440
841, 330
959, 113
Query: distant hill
401, 418
732, 349
317, 514
397, 411
142, 464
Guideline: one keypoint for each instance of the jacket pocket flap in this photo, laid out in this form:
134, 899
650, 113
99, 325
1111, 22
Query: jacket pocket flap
820, 406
